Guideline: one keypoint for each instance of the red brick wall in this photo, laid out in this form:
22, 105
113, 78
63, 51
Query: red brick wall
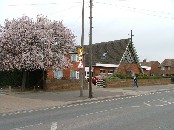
141, 82
127, 68
74, 67
155, 69
58, 84
50, 74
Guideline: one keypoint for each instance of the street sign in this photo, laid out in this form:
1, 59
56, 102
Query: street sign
80, 66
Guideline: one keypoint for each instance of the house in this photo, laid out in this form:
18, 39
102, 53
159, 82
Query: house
113, 56
107, 58
167, 67
151, 68
70, 73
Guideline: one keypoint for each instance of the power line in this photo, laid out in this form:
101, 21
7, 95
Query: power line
40, 4
142, 11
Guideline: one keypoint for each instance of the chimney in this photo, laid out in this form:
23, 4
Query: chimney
144, 61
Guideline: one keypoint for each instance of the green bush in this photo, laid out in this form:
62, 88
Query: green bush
118, 76
14, 78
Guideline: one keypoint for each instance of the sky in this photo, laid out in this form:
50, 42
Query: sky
151, 21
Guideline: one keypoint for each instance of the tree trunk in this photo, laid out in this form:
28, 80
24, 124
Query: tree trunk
24, 78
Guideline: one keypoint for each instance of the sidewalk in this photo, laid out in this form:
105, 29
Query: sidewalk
36, 100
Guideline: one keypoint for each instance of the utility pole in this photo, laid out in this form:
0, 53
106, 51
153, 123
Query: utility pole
131, 36
82, 45
90, 53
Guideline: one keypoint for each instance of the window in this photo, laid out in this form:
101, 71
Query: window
110, 71
162, 68
102, 71
73, 57
74, 74
58, 74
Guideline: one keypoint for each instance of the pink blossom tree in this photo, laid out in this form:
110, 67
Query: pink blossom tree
27, 44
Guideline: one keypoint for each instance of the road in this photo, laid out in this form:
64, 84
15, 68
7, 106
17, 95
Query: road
152, 111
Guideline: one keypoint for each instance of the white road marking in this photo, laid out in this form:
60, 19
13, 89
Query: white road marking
159, 105
147, 104
135, 106
54, 126
20, 128
169, 103
53, 107
32, 110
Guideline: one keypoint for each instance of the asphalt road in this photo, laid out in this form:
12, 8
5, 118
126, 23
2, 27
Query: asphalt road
153, 111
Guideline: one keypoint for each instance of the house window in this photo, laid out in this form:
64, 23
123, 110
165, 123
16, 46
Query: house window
102, 71
110, 71
58, 74
74, 57
168, 68
162, 68
74, 74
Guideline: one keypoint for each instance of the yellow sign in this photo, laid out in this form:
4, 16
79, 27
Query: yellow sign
80, 53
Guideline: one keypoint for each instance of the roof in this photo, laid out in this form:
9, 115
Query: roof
107, 52
168, 62
148, 64
106, 65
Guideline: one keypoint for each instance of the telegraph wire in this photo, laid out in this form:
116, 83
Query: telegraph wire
155, 13
39, 4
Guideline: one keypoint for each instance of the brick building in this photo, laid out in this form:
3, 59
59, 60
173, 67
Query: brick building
113, 56
167, 67
151, 68
107, 58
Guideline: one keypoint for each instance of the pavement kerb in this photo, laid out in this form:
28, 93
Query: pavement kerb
110, 97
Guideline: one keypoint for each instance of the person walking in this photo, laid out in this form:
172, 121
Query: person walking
135, 81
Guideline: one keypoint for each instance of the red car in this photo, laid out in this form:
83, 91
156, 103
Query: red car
95, 79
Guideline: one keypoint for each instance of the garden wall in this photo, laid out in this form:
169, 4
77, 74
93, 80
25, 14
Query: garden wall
141, 82
64, 84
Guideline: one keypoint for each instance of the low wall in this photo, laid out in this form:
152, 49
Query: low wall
61, 84
141, 82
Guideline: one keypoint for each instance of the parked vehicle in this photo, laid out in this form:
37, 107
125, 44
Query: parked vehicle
96, 78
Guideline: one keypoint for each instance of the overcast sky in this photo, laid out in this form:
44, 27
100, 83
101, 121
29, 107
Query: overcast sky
152, 21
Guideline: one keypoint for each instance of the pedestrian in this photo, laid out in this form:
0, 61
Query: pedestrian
135, 81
